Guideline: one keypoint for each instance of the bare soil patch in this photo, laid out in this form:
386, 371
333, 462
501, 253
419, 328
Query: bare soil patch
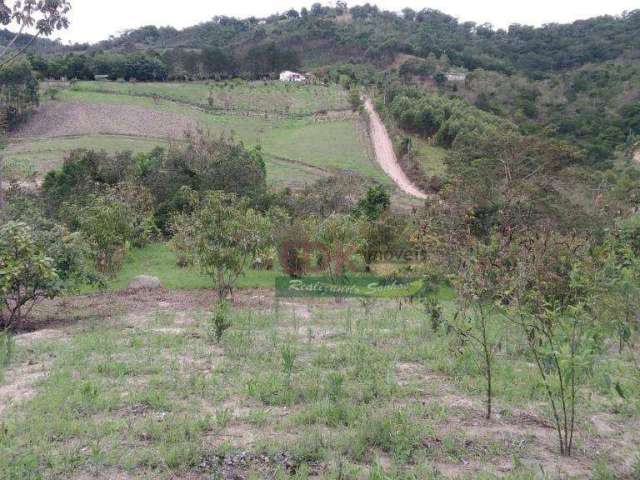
19, 384
59, 119
386, 156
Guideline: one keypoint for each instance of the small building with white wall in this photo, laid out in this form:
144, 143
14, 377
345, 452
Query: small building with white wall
288, 76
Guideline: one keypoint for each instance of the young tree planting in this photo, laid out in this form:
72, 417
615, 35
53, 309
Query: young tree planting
227, 236
551, 295
478, 283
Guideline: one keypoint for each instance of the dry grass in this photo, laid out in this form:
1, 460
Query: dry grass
129, 386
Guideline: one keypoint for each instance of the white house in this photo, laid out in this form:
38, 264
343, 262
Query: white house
456, 77
288, 76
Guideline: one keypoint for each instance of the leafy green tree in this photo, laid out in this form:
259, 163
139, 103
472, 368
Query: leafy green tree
79, 67
376, 202
202, 164
226, 236
144, 68
34, 18
108, 224
267, 59
619, 276
383, 239
27, 274
18, 92
217, 63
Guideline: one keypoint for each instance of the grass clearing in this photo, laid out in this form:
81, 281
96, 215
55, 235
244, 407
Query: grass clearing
431, 158
159, 261
272, 96
293, 390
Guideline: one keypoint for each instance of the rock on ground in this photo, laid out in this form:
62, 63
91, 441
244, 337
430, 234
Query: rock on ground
145, 282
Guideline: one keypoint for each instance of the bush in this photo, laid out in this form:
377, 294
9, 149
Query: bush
28, 274
223, 236
219, 322
110, 225
203, 164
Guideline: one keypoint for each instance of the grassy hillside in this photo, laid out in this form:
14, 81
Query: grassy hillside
299, 146
255, 97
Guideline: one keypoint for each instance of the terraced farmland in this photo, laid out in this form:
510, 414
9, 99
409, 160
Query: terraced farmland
300, 144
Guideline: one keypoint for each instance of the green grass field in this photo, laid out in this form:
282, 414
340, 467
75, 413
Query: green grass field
38, 156
275, 97
298, 150
431, 158
159, 261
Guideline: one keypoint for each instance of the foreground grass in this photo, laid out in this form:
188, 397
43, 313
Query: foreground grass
330, 390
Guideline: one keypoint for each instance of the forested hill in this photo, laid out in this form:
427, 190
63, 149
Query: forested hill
41, 45
577, 82
325, 34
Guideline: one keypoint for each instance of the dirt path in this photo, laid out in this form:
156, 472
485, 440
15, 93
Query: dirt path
385, 155
636, 156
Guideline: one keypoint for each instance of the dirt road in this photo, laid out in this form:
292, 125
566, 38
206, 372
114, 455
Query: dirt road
385, 155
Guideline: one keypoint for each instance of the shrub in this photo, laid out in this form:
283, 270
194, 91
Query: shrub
107, 223
219, 322
224, 236
27, 274
203, 164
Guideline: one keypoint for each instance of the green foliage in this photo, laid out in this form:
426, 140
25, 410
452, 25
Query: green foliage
374, 204
479, 285
551, 299
355, 99
219, 322
155, 184
144, 67
384, 239
227, 237
18, 93
340, 235
268, 59
204, 164
448, 120
86, 172
27, 274
110, 225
